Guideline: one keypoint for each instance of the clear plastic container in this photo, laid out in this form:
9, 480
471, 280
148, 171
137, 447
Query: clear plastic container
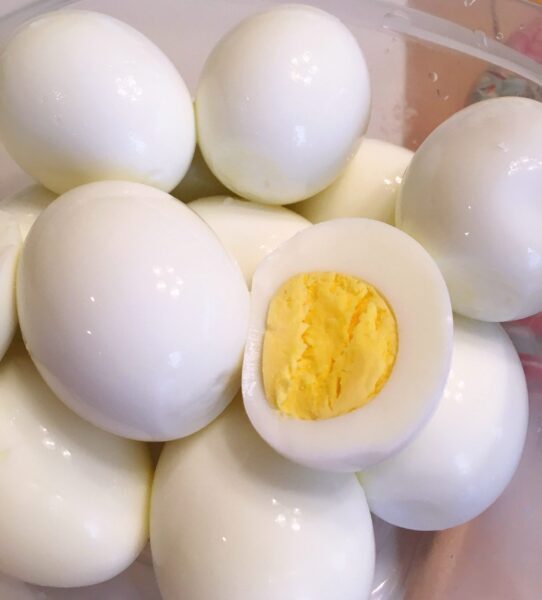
428, 59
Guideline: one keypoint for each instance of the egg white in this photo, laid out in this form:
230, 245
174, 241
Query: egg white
466, 455
408, 278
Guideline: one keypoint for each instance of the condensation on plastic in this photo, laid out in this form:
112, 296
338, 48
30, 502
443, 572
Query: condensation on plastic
497, 555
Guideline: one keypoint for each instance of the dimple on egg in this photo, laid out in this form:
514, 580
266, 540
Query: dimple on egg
132, 310
349, 344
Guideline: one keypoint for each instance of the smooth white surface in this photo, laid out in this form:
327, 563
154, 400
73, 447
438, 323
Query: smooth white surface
10, 246
74, 499
132, 310
84, 97
367, 188
26, 205
466, 455
408, 278
249, 231
282, 103
472, 197
199, 181
232, 519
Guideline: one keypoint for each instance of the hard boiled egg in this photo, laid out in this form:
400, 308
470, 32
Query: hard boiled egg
74, 499
471, 196
249, 231
84, 97
10, 246
26, 205
232, 519
282, 103
132, 310
466, 455
368, 187
349, 344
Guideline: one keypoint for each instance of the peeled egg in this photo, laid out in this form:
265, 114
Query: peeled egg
232, 519
10, 246
349, 344
85, 97
132, 310
368, 187
198, 182
249, 231
282, 103
26, 205
471, 197
468, 452
74, 499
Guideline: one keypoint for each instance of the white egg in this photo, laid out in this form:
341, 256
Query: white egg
132, 310
368, 187
74, 499
199, 181
26, 205
232, 519
10, 246
466, 455
282, 103
471, 196
249, 231
84, 97
409, 280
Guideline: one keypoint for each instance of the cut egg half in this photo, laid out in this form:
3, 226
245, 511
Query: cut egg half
349, 344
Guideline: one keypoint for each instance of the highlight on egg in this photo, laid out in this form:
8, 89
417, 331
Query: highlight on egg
100, 101
10, 246
132, 310
249, 231
349, 344
269, 528
271, 123
466, 455
368, 186
471, 196
75, 499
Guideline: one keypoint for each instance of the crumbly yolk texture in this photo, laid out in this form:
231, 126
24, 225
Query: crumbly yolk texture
329, 346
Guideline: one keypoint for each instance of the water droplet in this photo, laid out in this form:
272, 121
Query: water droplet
468, 3
481, 38
502, 146
433, 76
499, 36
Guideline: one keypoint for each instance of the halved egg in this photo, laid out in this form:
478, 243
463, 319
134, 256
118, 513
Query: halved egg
349, 344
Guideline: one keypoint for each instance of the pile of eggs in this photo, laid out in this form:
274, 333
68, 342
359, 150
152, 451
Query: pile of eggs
142, 316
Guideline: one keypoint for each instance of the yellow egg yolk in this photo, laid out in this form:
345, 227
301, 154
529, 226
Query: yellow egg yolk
329, 346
